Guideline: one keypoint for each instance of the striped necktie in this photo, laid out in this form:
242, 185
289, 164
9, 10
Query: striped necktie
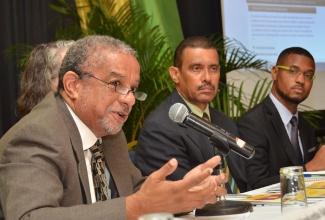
98, 170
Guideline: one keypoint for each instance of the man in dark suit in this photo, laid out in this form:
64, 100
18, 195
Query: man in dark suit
268, 126
46, 158
196, 73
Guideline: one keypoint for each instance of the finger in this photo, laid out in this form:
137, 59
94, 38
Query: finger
201, 197
196, 179
165, 170
211, 163
200, 187
221, 178
219, 191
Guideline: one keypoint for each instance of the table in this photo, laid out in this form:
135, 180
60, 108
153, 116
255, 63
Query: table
273, 211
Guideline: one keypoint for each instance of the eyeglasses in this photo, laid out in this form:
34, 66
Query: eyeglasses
295, 71
123, 90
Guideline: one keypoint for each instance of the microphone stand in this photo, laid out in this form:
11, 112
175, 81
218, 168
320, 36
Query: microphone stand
223, 206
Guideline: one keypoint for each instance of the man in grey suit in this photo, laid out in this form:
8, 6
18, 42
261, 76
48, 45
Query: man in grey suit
45, 159
196, 74
268, 128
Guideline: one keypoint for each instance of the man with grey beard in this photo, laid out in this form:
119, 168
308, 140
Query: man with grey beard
275, 128
68, 158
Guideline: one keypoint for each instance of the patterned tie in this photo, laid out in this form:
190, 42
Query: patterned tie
294, 139
98, 170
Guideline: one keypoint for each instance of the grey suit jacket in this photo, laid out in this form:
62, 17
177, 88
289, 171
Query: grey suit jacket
162, 139
43, 170
263, 128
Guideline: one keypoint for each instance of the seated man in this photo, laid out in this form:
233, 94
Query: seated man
196, 73
68, 158
270, 126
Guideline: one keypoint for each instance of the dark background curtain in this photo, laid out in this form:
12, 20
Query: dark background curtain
21, 21
200, 17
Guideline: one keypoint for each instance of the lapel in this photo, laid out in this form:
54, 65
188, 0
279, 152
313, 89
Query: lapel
306, 140
116, 156
76, 144
275, 120
198, 139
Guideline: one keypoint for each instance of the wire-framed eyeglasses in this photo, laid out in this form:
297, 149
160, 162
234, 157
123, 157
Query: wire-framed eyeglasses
123, 90
295, 71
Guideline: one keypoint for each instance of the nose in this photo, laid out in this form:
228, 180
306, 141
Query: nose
206, 76
300, 77
128, 99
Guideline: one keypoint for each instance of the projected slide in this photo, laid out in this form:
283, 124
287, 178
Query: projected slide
266, 27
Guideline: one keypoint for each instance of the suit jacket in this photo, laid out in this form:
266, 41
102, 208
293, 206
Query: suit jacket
43, 170
263, 128
162, 139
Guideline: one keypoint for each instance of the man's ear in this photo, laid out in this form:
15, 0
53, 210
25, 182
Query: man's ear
274, 73
71, 84
174, 73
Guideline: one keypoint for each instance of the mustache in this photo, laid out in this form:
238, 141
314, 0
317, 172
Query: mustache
207, 85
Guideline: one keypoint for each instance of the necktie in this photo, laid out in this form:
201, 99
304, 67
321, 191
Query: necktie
98, 170
205, 116
294, 138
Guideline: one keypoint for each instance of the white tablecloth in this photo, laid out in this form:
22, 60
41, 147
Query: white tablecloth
265, 212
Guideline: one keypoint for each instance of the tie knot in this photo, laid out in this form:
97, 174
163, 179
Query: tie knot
205, 116
97, 151
293, 121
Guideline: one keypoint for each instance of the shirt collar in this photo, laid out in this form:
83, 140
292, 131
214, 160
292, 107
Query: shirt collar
285, 114
88, 138
196, 110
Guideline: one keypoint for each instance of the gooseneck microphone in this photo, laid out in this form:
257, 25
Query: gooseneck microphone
180, 114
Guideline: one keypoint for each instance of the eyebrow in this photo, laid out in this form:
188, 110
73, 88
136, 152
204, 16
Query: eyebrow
310, 70
114, 74
119, 75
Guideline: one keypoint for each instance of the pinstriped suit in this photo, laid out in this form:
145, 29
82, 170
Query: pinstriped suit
43, 171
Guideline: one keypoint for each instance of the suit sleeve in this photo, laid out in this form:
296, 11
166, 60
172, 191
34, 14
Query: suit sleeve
159, 141
39, 179
250, 129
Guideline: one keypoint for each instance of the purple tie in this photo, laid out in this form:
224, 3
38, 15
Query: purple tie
294, 139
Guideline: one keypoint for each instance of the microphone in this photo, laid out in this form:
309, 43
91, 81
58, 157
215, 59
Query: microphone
180, 114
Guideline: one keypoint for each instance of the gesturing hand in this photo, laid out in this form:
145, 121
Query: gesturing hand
160, 195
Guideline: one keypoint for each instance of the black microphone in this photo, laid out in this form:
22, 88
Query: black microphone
180, 114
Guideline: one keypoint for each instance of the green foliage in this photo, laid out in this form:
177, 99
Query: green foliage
21, 52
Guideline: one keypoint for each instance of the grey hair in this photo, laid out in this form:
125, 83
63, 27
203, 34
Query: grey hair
85, 51
37, 78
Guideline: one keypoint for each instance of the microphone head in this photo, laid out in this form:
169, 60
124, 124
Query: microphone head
178, 112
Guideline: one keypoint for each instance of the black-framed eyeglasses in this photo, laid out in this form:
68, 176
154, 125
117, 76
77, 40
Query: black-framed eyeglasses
295, 71
123, 90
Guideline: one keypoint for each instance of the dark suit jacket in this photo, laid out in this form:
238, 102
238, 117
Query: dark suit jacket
162, 139
263, 128
43, 170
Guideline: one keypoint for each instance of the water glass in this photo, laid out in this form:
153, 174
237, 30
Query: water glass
293, 192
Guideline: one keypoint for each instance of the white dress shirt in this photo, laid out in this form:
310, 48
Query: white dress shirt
286, 116
88, 139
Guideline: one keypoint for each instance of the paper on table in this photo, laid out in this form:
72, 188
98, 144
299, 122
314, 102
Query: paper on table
267, 198
316, 185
